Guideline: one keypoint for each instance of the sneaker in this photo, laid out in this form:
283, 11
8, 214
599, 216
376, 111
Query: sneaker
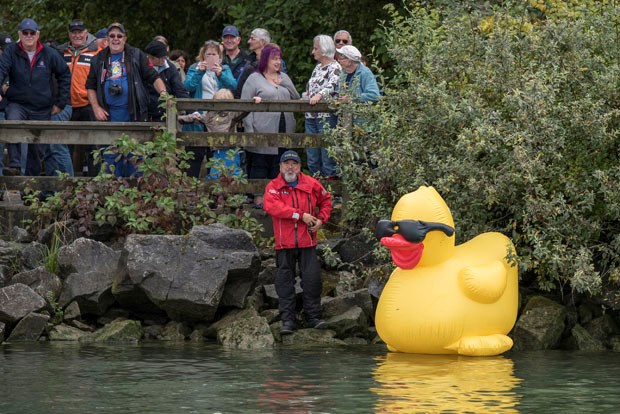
287, 328
317, 324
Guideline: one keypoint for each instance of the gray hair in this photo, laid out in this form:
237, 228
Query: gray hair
344, 32
326, 45
262, 34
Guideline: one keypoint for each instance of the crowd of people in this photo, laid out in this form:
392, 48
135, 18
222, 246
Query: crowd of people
101, 77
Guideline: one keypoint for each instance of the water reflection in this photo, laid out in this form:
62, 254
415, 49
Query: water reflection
440, 383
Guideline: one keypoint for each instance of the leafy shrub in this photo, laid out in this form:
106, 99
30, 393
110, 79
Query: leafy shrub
513, 119
163, 200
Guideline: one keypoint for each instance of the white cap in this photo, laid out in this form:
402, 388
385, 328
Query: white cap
350, 52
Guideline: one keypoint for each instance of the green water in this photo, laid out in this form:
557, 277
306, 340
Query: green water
154, 378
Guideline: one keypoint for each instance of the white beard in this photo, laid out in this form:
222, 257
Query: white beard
289, 178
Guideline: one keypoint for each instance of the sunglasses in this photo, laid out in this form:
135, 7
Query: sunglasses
345, 41
116, 36
29, 32
413, 231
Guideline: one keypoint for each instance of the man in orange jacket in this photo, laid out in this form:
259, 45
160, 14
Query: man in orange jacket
299, 205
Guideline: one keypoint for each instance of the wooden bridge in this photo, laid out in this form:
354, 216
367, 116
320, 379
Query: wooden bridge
105, 133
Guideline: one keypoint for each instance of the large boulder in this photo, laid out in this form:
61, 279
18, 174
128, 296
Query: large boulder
41, 281
585, 341
353, 322
29, 328
64, 332
88, 268
540, 326
17, 301
333, 306
189, 277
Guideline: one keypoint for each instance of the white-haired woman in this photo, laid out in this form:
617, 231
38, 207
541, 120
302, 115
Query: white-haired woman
323, 86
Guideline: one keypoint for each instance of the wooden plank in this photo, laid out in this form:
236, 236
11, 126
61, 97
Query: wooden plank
248, 105
224, 140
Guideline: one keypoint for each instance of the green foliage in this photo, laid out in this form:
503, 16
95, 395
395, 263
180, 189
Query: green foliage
513, 120
163, 200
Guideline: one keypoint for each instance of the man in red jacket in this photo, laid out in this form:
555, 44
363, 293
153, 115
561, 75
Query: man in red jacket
298, 205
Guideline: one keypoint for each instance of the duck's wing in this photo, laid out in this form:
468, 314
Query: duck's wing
483, 283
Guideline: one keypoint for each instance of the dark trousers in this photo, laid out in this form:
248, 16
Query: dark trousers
14, 112
196, 164
311, 283
262, 165
85, 113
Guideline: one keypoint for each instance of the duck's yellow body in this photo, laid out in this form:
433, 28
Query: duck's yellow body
458, 299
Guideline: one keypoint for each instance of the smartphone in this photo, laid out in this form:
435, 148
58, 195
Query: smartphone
212, 61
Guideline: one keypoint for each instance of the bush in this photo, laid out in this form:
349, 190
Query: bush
513, 118
163, 200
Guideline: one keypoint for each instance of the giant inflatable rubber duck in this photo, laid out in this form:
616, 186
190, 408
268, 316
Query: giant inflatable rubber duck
442, 298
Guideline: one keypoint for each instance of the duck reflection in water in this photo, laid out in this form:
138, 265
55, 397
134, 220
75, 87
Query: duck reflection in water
415, 383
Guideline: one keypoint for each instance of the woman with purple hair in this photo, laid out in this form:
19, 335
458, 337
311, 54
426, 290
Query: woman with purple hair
267, 83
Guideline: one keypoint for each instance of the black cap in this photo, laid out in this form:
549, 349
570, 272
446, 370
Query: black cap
5, 40
290, 155
77, 24
157, 49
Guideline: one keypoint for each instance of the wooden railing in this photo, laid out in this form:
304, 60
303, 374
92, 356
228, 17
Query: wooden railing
105, 133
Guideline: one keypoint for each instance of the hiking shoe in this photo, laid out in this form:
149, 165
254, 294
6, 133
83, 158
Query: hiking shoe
317, 324
287, 328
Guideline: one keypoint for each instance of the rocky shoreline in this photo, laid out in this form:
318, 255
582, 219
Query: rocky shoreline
215, 285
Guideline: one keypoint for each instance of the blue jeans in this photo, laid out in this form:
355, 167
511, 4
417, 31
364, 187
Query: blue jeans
17, 152
318, 160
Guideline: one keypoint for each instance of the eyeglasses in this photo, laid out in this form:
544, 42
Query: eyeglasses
116, 36
413, 231
345, 41
28, 32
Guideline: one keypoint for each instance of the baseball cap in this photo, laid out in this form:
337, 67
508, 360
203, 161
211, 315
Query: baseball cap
28, 24
157, 49
76, 24
230, 31
101, 33
5, 40
350, 52
117, 25
290, 155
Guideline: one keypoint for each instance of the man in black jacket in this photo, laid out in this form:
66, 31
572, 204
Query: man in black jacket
117, 78
30, 67
157, 53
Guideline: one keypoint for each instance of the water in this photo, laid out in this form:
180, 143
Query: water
187, 378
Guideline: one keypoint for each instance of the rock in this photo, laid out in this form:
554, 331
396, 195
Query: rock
43, 282
227, 320
540, 325
2, 331
271, 296
4, 276
32, 255
267, 275
602, 327
356, 249
29, 328
585, 341
64, 332
19, 235
88, 267
309, 337
189, 277
375, 284
585, 313
72, 311
340, 304
614, 342
348, 282
10, 258
247, 333
17, 301
81, 326
86, 255
353, 322
271, 315
153, 331
116, 331
67, 232
175, 331
355, 341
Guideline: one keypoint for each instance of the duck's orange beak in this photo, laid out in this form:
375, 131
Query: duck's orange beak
405, 254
